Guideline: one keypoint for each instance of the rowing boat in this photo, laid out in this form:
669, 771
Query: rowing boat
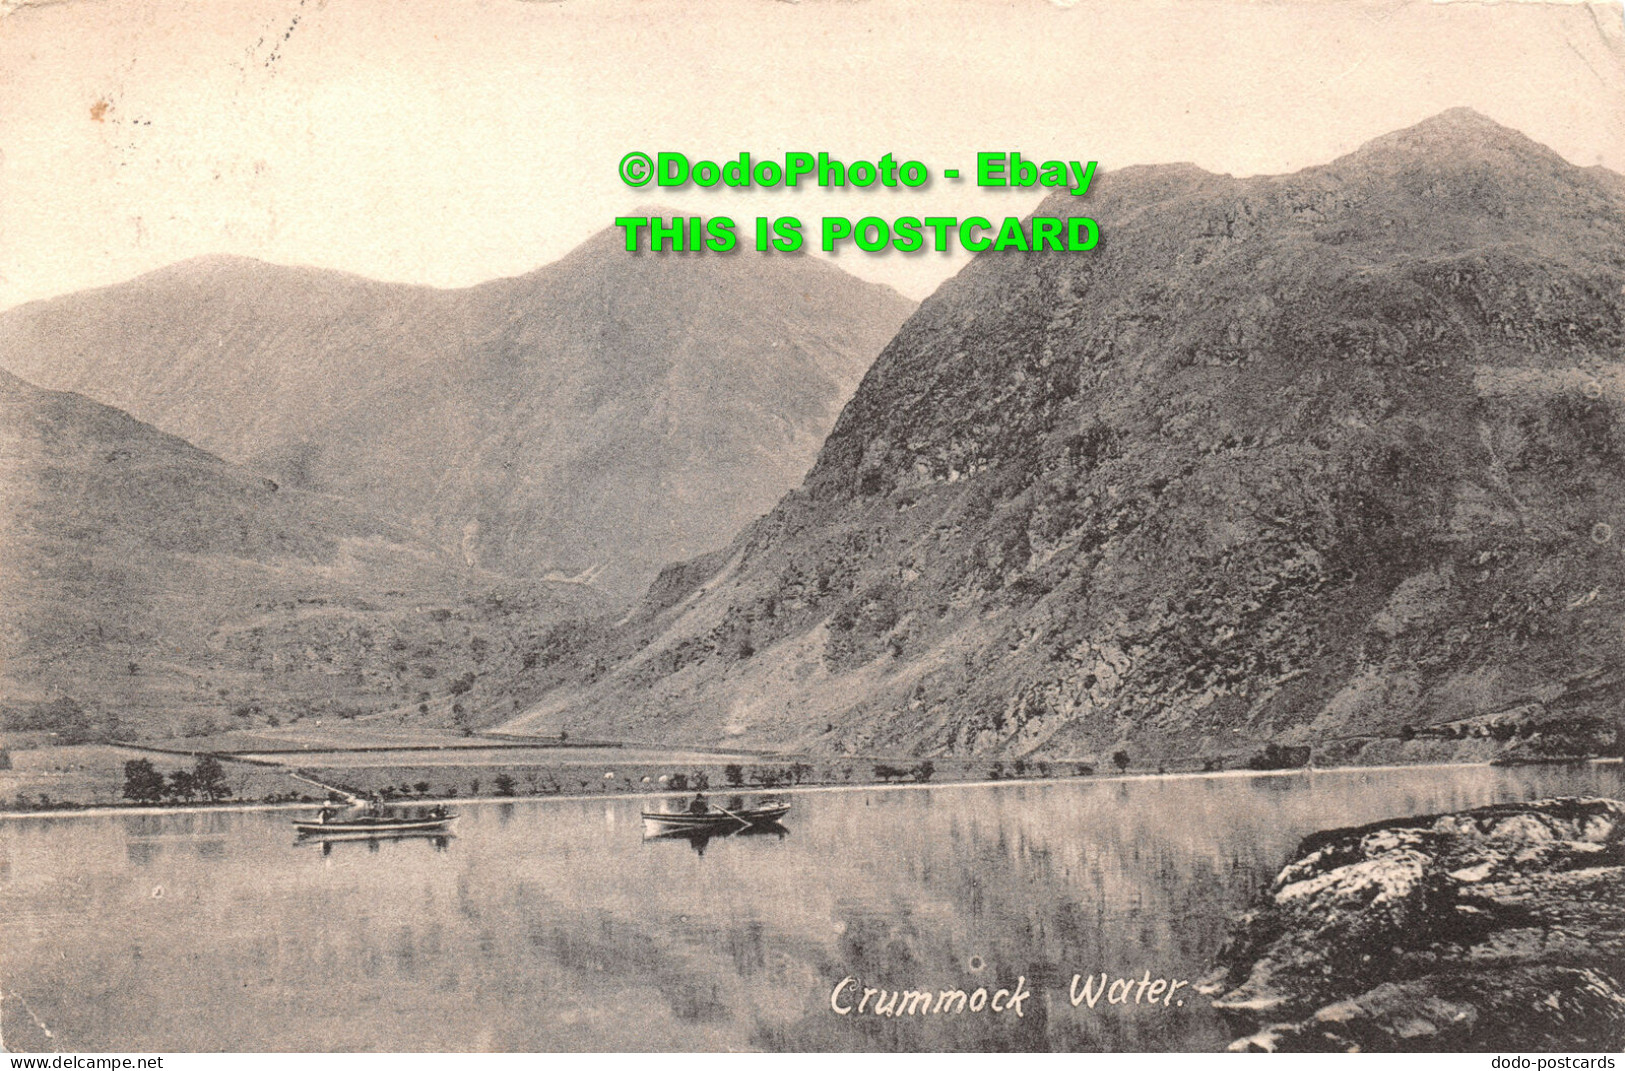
377, 823
714, 818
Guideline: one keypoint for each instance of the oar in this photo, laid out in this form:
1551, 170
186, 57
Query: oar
735, 817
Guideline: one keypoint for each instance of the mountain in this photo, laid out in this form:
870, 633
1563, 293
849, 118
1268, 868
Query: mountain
610, 412
149, 588
1329, 457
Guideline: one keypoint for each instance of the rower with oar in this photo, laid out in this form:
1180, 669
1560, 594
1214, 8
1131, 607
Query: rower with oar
701, 805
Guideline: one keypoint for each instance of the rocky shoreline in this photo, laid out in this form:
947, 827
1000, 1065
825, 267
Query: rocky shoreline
1497, 928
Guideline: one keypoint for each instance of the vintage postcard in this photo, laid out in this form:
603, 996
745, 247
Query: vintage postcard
871, 526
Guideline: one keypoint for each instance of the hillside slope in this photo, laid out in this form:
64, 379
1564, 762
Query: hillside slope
1324, 457
611, 411
149, 588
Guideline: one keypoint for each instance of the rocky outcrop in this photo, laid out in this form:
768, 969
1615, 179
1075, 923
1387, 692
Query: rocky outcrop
1500, 928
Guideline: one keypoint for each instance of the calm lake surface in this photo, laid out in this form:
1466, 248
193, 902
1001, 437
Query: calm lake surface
552, 925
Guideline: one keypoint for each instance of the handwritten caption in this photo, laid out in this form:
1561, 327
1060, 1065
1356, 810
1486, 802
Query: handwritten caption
851, 997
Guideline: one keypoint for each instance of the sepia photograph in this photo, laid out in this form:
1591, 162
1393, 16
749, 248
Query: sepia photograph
874, 526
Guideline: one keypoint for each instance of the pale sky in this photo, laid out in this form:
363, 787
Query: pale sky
449, 143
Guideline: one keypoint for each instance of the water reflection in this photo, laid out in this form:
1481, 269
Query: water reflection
699, 838
439, 841
555, 925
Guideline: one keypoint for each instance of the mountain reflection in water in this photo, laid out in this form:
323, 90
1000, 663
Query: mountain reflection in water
554, 925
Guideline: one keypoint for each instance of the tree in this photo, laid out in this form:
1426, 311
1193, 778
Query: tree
182, 785
925, 771
1121, 759
421, 787
142, 783
64, 716
209, 777
504, 784
734, 773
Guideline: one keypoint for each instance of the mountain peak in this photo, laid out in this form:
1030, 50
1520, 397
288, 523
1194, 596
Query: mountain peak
1454, 135
1237, 476
605, 410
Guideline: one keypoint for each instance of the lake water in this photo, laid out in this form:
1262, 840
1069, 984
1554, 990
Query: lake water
552, 925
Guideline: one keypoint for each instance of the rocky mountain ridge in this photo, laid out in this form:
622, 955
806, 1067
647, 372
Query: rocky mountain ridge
1328, 457
595, 418
148, 588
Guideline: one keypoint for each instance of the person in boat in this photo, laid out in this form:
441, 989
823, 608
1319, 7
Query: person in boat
699, 804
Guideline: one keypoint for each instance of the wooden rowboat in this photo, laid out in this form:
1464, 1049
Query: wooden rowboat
714, 818
376, 823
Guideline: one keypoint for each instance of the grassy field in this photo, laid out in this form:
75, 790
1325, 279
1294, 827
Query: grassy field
285, 765
94, 775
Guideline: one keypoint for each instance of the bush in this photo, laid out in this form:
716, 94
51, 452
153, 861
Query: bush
199, 725
1277, 757
63, 716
